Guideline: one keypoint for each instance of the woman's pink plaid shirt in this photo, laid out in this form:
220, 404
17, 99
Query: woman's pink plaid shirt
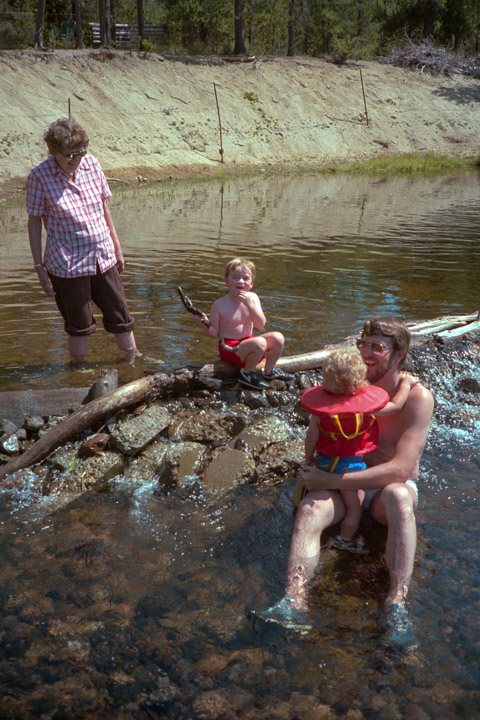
78, 237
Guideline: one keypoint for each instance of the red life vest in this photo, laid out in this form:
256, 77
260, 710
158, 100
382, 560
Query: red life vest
346, 422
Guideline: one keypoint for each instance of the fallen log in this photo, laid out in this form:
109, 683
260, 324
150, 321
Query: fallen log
94, 411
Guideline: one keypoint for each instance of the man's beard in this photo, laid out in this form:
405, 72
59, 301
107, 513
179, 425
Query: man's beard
378, 371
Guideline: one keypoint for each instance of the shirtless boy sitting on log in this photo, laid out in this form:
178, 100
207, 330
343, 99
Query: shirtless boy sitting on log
232, 319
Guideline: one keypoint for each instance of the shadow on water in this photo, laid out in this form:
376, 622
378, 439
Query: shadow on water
131, 602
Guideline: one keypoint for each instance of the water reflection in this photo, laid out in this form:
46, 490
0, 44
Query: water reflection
329, 251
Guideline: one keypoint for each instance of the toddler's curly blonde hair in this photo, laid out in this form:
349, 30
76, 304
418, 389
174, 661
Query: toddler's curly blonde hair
344, 372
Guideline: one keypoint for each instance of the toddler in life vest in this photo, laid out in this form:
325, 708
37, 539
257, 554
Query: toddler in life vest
343, 428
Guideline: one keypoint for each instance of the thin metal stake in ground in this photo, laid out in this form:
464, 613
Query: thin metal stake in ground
219, 122
364, 99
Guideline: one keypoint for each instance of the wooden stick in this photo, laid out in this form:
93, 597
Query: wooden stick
364, 98
219, 122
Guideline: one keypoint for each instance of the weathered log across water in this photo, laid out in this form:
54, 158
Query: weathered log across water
207, 375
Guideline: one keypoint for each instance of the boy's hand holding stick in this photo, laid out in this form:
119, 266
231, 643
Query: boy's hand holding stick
192, 309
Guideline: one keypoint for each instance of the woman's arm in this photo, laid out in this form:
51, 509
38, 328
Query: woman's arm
34, 227
113, 234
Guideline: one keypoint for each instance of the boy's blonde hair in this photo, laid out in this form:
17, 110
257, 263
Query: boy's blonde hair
241, 263
344, 372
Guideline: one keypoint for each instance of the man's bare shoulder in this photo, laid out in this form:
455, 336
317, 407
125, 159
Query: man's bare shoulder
421, 397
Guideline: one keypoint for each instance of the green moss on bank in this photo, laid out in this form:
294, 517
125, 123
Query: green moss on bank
410, 164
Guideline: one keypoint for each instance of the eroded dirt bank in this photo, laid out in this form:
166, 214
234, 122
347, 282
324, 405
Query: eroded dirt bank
154, 117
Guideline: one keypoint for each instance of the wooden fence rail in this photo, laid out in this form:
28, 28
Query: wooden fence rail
126, 36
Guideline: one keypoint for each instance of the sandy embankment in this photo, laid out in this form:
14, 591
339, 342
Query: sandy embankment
158, 118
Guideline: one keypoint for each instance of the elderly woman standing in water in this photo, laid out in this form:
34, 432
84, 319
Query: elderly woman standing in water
83, 258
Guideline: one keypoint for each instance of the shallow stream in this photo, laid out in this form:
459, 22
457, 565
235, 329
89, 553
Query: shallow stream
130, 603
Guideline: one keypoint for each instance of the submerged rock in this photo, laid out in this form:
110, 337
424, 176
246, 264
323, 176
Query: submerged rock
181, 461
84, 473
265, 432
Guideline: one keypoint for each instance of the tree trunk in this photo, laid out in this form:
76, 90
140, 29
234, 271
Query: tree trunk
112, 14
78, 25
240, 46
141, 21
40, 24
291, 30
105, 23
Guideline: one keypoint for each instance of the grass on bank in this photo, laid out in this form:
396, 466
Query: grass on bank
410, 164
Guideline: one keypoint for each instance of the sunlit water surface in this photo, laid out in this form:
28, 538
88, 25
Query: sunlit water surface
130, 603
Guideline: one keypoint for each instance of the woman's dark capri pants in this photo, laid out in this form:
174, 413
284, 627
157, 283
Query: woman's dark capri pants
74, 298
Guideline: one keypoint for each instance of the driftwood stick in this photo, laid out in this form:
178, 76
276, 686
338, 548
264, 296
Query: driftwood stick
458, 332
102, 407
428, 327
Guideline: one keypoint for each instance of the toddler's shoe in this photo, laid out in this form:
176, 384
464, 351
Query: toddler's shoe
356, 546
278, 374
252, 380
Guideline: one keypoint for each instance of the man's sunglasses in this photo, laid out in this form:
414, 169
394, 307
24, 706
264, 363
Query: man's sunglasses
375, 346
72, 155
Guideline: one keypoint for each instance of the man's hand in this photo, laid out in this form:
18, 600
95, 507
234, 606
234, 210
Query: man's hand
314, 479
45, 281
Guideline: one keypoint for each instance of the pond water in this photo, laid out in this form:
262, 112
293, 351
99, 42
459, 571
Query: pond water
128, 603
329, 251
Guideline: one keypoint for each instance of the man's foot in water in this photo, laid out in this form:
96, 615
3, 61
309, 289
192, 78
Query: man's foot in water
285, 614
399, 633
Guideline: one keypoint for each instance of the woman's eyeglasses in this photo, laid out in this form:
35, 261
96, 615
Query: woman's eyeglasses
376, 347
72, 155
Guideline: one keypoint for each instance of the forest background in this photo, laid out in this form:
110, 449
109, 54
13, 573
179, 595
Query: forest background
338, 29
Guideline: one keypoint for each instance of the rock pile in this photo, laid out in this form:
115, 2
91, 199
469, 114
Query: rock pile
219, 436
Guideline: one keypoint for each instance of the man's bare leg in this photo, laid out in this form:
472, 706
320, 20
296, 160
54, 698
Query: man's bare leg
316, 512
395, 507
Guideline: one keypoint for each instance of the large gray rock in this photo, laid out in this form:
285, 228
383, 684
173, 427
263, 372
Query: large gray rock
227, 468
280, 461
264, 432
136, 432
206, 426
